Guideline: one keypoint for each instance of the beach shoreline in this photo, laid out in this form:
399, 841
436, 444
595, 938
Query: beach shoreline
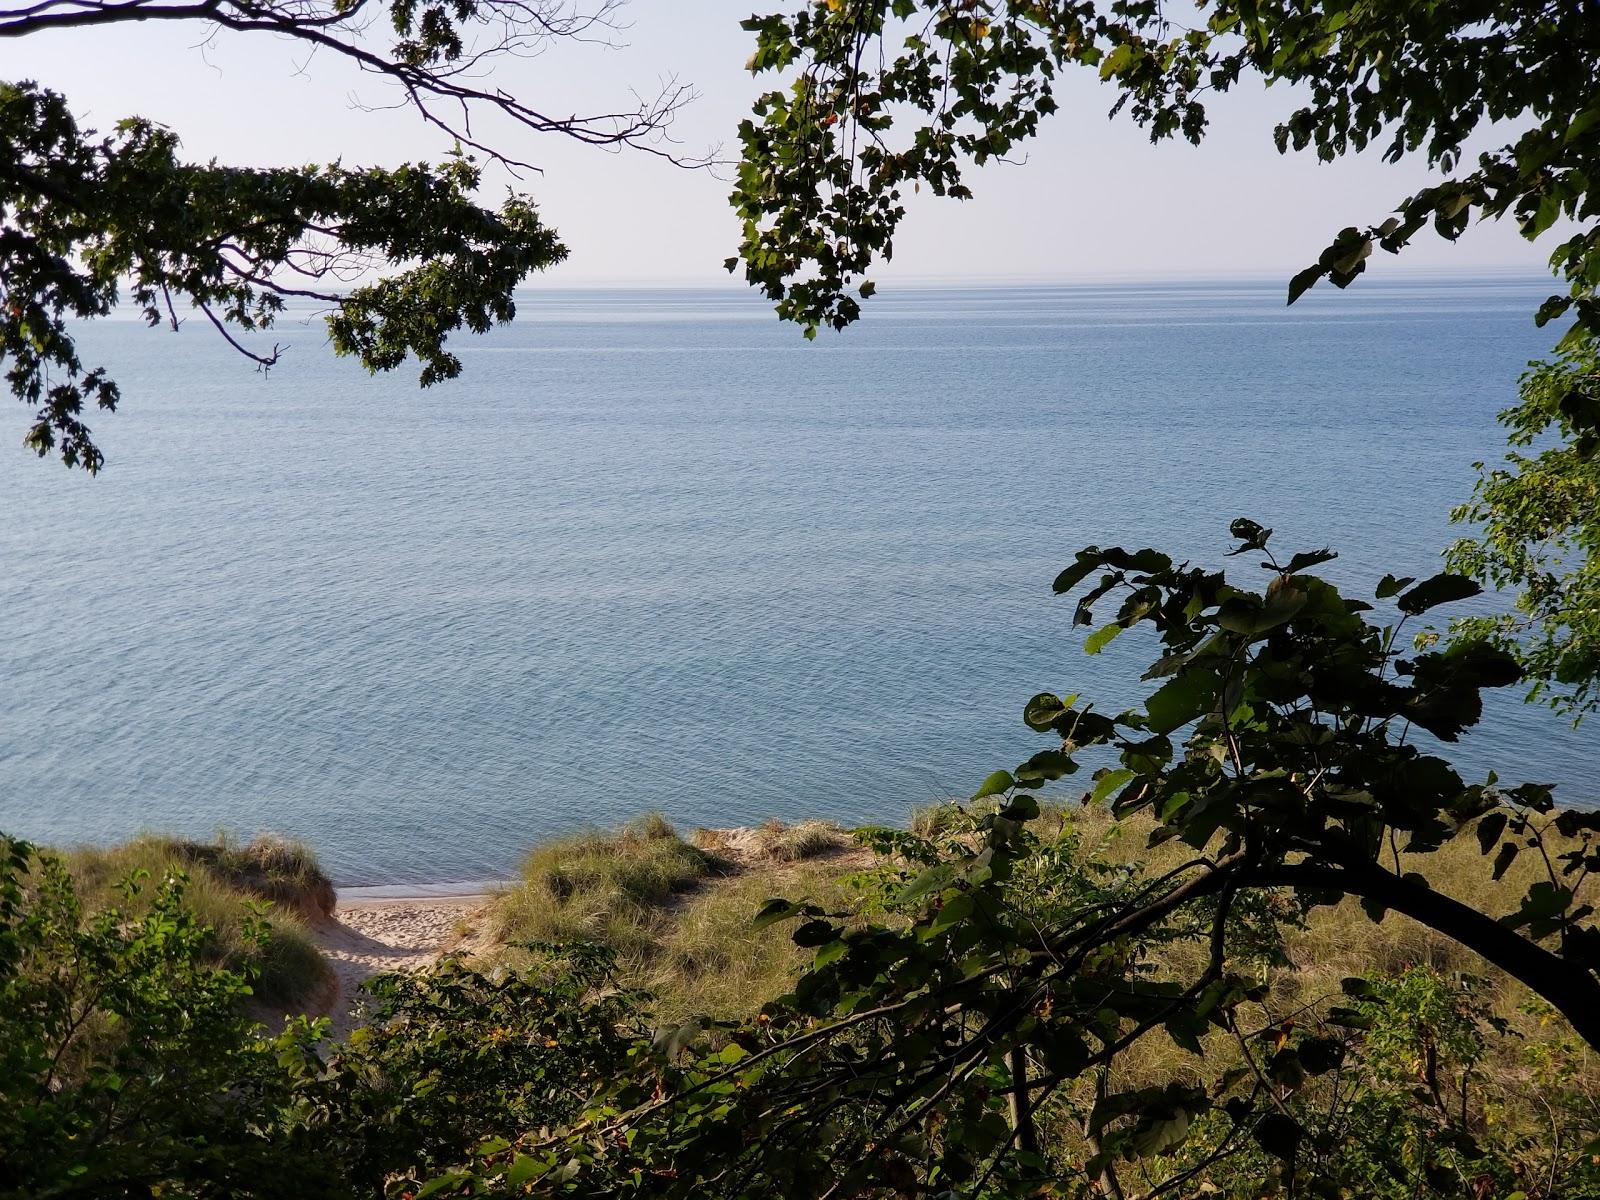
378, 893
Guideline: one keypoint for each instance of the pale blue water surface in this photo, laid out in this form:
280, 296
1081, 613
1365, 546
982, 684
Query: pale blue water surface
653, 550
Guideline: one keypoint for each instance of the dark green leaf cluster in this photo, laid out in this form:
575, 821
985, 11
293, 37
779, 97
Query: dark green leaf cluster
87, 216
131, 1067
453, 1060
126, 1059
401, 258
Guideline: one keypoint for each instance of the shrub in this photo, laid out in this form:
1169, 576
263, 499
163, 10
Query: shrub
127, 1063
451, 1056
130, 1069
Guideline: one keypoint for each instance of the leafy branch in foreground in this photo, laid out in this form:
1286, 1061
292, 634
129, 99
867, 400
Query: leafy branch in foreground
402, 257
881, 95
126, 1055
132, 1064
1013, 982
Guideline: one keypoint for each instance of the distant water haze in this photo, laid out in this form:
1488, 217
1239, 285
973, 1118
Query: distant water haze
653, 550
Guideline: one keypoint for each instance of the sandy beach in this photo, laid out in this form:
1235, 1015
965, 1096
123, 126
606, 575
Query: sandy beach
367, 937
373, 930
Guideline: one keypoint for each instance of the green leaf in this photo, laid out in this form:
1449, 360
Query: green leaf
1302, 282
1441, 589
1181, 1030
953, 911
1183, 698
1253, 535
1321, 1055
996, 783
830, 952
439, 1182
1145, 562
1100, 638
524, 1167
1308, 558
1158, 1133
1109, 780
1043, 711
934, 879
1045, 766
1391, 585
1021, 808
815, 933
773, 911
1544, 901
1088, 561
1246, 615
1350, 1018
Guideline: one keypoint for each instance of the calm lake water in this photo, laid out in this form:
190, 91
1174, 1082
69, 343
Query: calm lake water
653, 550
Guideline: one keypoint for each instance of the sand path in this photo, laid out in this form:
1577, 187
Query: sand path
369, 937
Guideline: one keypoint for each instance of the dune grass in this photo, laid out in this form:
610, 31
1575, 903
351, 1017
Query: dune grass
798, 843
225, 877
676, 914
606, 886
710, 961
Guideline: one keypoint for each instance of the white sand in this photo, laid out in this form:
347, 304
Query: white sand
366, 938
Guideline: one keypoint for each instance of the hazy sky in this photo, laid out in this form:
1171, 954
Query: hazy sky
1094, 200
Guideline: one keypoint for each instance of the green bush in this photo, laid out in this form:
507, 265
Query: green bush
127, 1064
130, 1068
451, 1057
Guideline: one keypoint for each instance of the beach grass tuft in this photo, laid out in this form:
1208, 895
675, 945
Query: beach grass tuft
797, 843
601, 885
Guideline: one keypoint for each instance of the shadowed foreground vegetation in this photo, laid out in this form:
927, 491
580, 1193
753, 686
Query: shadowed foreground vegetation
678, 918
1437, 1045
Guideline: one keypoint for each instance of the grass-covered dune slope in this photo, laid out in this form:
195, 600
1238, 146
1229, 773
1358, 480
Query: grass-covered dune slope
228, 882
678, 911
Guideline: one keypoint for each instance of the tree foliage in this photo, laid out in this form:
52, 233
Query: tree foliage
130, 1064
402, 257
126, 1058
888, 94
1538, 519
